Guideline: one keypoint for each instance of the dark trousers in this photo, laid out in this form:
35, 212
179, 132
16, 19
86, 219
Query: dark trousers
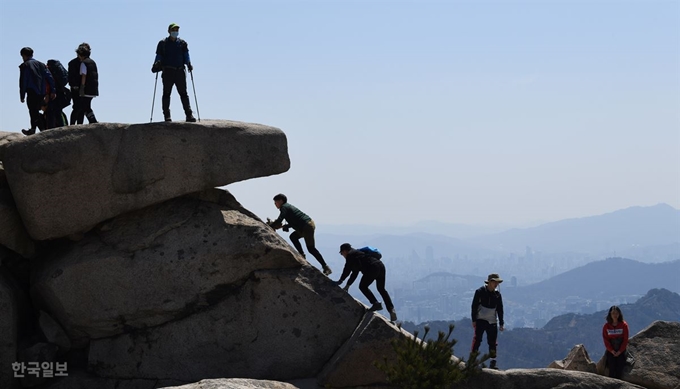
308, 234
375, 272
178, 78
491, 330
35, 102
55, 116
616, 364
82, 107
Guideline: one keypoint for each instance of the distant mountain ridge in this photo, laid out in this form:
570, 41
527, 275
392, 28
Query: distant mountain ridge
597, 279
602, 234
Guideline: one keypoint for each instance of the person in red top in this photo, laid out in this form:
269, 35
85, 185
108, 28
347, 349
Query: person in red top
615, 336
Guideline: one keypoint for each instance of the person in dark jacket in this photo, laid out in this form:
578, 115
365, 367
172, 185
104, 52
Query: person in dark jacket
372, 269
55, 114
172, 53
615, 337
487, 304
302, 224
84, 82
36, 88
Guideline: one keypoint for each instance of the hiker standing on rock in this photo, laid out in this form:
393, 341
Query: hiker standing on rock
172, 53
615, 336
83, 78
367, 261
302, 224
34, 81
487, 304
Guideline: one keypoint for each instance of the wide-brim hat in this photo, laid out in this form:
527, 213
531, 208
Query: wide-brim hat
493, 277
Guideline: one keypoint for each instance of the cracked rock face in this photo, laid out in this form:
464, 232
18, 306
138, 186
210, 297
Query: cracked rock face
65, 181
154, 265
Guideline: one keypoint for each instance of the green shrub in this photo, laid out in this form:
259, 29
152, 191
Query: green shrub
428, 365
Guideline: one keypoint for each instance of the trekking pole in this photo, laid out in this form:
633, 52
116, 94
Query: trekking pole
154, 97
195, 99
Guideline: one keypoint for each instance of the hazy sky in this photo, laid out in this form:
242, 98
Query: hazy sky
401, 111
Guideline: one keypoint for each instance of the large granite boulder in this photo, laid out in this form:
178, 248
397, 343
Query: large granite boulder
577, 359
154, 265
354, 363
9, 321
13, 235
279, 325
235, 383
542, 379
67, 180
657, 356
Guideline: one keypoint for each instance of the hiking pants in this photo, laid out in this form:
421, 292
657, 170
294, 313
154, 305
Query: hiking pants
55, 116
616, 364
491, 330
308, 234
82, 107
178, 78
375, 272
35, 102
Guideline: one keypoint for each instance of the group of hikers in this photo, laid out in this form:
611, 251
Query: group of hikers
487, 302
49, 88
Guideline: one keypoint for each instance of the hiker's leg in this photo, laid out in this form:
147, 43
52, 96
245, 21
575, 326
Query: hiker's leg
181, 84
366, 281
611, 364
491, 338
480, 327
308, 234
168, 81
380, 285
87, 109
34, 101
295, 238
76, 110
620, 364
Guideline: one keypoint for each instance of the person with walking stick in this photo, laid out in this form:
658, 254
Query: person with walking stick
172, 54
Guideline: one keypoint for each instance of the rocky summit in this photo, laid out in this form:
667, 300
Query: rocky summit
123, 267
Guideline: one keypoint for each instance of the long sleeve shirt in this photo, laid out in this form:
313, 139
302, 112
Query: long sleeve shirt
615, 335
356, 261
172, 53
486, 305
294, 217
35, 76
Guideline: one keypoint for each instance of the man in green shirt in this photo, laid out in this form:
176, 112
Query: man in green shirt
302, 224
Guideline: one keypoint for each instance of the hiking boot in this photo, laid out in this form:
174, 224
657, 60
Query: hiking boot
393, 315
377, 306
327, 270
492, 365
28, 132
191, 119
167, 119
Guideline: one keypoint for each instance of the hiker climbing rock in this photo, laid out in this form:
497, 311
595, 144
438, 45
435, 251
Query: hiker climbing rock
302, 224
84, 81
172, 54
487, 304
367, 261
36, 88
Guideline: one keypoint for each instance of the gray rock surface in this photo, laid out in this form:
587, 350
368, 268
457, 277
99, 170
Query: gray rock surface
657, 356
280, 325
577, 359
53, 332
155, 265
543, 379
9, 319
235, 383
13, 235
93, 173
6, 138
353, 364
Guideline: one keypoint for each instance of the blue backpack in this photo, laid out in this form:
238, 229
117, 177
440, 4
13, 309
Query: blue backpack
371, 252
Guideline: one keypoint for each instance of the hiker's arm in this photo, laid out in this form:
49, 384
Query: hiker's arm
353, 277
625, 338
50, 80
605, 338
475, 307
499, 310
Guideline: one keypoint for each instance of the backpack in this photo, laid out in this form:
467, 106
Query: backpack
371, 252
60, 76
